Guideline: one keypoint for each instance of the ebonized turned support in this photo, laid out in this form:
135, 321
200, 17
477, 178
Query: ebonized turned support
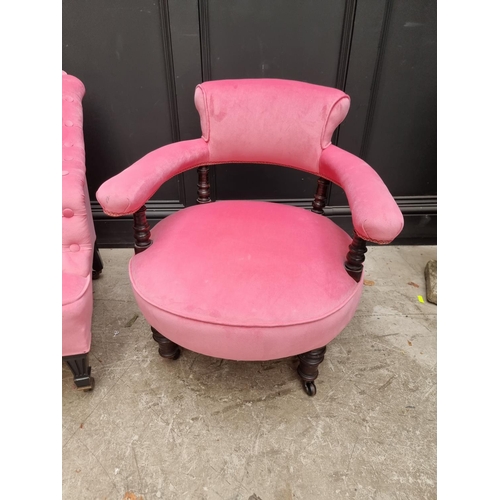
141, 231
79, 366
203, 185
97, 265
355, 258
320, 196
167, 349
308, 368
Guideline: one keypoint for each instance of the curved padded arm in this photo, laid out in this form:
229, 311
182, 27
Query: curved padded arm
375, 215
127, 191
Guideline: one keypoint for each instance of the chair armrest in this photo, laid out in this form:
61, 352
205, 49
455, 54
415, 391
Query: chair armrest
375, 215
129, 190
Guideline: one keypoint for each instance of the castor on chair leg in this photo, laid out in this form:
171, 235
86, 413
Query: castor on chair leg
167, 349
308, 368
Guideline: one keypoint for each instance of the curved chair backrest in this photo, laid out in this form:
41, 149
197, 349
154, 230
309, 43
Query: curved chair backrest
274, 121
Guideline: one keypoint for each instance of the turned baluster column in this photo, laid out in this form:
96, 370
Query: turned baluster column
320, 196
355, 258
203, 185
141, 231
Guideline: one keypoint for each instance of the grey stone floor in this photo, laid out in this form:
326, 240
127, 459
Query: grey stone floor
204, 428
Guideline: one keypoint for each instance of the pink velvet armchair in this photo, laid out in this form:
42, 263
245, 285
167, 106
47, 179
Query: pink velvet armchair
80, 258
251, 280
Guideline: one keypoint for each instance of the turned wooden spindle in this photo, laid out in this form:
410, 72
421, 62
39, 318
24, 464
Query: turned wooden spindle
355, 258
141, 231
203, 185
320, 196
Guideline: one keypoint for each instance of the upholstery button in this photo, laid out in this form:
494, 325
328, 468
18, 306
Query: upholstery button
74, 247
68, 158
65, 172
69, 98
68, 123
67, 212
67, 144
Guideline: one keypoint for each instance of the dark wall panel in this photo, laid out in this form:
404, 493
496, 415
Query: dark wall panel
401, 142
116, 48
186, 59
395, 129
267, 182
294, 39
291, 39
363, 57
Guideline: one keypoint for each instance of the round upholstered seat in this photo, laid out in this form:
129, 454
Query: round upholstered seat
246, 280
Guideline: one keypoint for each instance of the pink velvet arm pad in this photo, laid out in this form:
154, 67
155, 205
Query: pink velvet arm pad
375, 215
127, 191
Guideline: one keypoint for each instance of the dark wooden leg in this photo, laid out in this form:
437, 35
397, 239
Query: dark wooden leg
79, 366
167, 349
320, 196
97, 265
355, 258
141, 231
308, 368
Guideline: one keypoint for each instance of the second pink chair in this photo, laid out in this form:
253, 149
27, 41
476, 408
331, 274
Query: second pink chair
81, 261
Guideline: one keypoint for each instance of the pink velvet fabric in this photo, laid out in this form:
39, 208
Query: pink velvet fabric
129, 190
269, 120
248, 280
78, 235
375, 214
249, 343
76, 314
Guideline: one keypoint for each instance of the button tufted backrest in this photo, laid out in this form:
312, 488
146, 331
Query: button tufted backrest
78, 233
73, 149
276, 121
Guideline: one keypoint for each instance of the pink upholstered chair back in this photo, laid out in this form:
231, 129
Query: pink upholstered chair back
273, 121
78, 234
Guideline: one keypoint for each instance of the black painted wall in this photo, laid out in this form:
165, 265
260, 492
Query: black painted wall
141, 60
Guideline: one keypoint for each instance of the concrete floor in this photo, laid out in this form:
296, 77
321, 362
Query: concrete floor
204, 428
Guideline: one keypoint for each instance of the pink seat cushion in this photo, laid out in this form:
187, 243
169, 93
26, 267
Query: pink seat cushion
231, 269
